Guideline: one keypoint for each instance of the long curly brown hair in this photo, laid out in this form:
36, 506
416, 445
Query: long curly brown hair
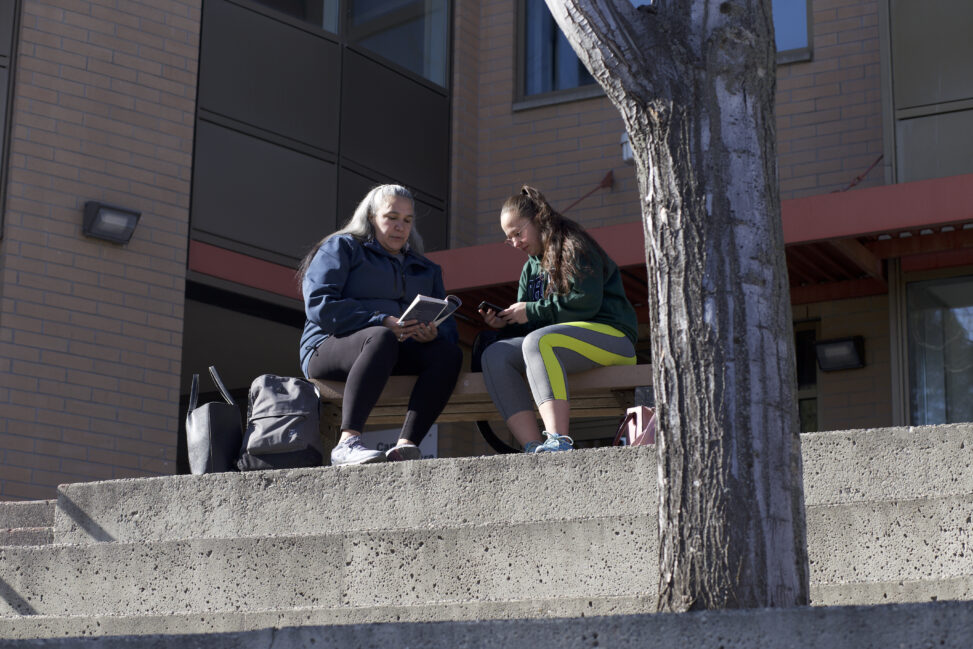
564, 242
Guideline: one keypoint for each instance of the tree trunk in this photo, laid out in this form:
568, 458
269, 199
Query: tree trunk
694, 82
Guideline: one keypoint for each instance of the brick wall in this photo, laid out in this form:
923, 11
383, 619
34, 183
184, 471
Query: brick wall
829, 110
465, 97
90, 332
860, 398
564, 150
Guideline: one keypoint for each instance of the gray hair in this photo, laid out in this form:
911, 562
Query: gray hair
360, 224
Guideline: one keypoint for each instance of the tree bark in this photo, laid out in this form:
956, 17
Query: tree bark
695, 82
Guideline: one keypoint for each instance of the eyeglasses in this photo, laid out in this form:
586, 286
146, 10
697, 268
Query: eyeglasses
517, 235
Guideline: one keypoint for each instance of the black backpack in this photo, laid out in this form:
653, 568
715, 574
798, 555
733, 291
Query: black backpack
282, 425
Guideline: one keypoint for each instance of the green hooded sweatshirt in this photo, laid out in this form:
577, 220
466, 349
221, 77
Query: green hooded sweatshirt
596, 296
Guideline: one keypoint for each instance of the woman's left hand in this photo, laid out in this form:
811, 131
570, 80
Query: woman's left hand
425, 333
516, 313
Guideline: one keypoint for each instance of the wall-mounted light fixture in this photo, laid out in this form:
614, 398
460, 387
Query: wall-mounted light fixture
840, 353
627, 156
108, 222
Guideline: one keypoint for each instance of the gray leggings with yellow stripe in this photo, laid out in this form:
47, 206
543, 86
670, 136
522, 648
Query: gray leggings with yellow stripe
546, 356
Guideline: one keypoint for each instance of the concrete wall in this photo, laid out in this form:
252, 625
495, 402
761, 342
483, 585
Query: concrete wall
90, 332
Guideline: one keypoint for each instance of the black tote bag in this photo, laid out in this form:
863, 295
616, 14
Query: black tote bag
214, 431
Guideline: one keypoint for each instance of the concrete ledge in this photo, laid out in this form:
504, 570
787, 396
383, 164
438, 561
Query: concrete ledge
946, 625
839, 467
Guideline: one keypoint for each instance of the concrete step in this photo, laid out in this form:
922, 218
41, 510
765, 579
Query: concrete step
887, 463
434, 540
945, 625
52, 626
421, 494
409, 567
40, 626
859, 552
839, 467
26, 522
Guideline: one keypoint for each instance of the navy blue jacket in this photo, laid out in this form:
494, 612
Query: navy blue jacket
352, 285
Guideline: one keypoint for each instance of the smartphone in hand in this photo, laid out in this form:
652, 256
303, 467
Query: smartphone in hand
486, 306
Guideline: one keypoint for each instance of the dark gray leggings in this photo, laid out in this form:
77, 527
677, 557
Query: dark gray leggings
365, 359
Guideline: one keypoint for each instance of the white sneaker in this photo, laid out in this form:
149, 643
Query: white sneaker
403, 452
352, 451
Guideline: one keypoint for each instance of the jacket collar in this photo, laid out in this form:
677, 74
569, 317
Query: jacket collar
410, 256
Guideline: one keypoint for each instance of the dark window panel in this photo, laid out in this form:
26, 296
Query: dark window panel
395, 126
807, 372
320, 13
931, 52
410, 33
268, 74
260, 194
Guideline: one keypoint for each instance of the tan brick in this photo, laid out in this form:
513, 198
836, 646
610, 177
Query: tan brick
15, 488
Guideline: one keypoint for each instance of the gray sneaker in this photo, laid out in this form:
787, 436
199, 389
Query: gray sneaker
403, 452
352, 451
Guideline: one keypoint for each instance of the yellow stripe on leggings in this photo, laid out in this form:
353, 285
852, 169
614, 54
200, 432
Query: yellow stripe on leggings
555, 375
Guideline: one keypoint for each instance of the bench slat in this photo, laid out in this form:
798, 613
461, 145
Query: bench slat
601, 392
470, 386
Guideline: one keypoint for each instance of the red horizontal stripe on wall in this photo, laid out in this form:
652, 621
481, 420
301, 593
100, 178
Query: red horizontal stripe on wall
243, 269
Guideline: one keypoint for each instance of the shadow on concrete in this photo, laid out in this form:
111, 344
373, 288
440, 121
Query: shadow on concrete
81, 519
16, 602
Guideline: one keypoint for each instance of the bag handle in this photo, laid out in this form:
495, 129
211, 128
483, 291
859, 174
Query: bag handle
219, 384
194, 389
621, 429
193, 393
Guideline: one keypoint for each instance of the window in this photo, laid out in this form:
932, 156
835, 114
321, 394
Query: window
939, 330
792, 31
322, 13
412, 33
550, 65
549, 62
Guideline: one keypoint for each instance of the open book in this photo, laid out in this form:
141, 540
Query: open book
430, 309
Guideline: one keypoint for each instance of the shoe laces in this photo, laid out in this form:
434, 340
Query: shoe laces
553, 439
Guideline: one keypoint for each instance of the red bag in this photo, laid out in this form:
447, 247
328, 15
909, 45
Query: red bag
637, 428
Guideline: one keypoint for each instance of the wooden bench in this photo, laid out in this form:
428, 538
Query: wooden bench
601, 392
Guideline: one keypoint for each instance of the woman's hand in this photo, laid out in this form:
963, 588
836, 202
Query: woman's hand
422, 332
425, 333
404, 331
492, 318
516, 313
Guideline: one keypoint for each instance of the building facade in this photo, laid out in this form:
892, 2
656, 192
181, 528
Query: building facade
243, 131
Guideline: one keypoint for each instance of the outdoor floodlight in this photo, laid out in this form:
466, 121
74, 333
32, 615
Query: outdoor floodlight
108, 222
840, 353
